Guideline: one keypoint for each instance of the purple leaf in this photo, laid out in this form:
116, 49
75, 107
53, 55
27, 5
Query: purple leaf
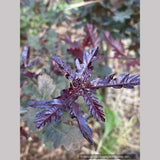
116, 44
76, 52
21, 84
82, 68
45, 104
91, 38
133, 63
124, 80
80, 86
47, 116
68, 96
95, 108
76, 49
69, 41
35, 61
52, 111
54, 68
25, 56
30, 74
82, 122
99, 58
62, 65
23, 133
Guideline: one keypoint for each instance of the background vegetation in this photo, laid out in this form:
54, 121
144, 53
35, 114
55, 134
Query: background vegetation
47, 26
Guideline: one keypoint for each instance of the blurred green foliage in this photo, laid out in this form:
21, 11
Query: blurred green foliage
109, 140
120, 18
112, 120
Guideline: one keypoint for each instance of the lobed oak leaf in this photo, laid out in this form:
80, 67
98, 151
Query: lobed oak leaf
76, 52
91, 38
116, 44
45, 86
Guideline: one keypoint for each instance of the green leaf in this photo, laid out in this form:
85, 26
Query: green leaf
99, 96
111, 119
28, 89
51, 39
31, 90
29, 118
24, 103
61, 82
110, 146
122, 16
33, 42
130, 3
23, 111
62, 133
45, 86
102, 71
116, 119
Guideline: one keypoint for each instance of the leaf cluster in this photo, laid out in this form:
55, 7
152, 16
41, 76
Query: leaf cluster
80, 85
92, 39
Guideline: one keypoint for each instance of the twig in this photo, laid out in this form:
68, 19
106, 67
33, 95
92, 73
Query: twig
26, 151
136, 147
82, 4
100, 143
124, 58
